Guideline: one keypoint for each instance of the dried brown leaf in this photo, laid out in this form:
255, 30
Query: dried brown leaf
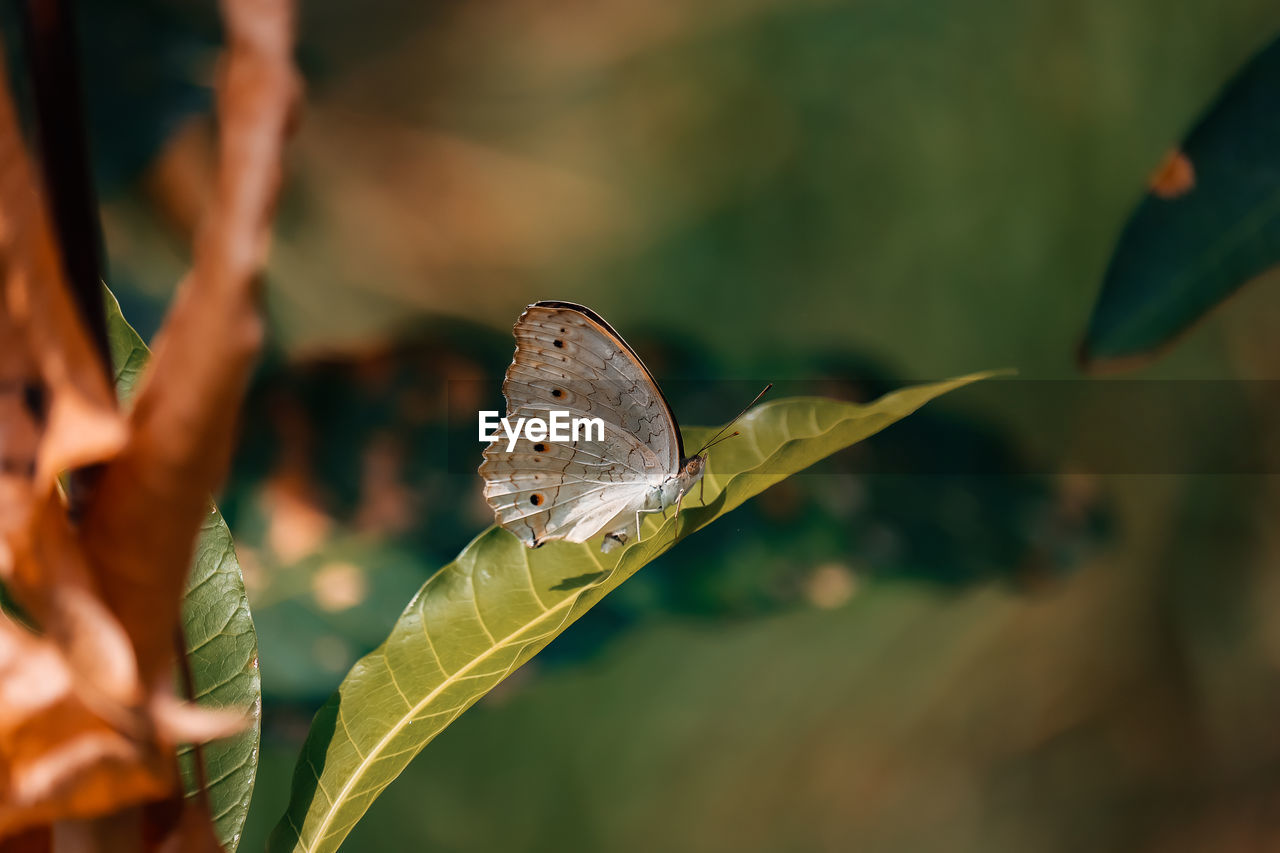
184, 722
140, 523
58, 757
88, 721
48, 347
56, 412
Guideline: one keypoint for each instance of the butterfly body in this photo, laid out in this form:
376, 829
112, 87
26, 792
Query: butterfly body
689, 475
568, 359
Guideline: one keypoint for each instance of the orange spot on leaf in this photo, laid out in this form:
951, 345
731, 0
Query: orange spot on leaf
1174, 177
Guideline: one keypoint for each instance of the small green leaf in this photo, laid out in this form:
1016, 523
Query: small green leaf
483, 615
128, 353
1192, 244
221, 643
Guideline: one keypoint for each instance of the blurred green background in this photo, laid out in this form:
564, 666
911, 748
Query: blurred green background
954, 638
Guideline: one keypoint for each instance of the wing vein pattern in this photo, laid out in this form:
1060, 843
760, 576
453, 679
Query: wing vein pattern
569, 360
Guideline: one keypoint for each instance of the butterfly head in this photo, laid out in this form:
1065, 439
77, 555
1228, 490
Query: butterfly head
692, 469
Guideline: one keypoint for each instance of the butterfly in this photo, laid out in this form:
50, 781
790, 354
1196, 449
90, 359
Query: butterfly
569, 360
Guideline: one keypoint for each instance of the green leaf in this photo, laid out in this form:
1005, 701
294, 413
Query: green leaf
128, 352
483, 615
1184, 253
221, 643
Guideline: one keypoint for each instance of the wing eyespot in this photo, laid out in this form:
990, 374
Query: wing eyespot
559, 343
535, 499
557, 393
539, 448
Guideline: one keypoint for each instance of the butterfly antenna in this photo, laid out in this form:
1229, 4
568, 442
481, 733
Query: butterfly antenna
715, 439
721, 440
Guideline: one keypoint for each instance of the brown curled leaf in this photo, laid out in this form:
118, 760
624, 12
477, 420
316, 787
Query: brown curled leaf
57, 411
88, 721
70, 607
150, 500
75, 740
58, 757
50, 350
177, 721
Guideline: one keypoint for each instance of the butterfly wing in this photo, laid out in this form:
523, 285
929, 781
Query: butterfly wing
569, 359
568, 348
551, 490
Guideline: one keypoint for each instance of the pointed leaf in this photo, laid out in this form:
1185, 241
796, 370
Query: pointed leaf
1210, 223
483, 615
221, 643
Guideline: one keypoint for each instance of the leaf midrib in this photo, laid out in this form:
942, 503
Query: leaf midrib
367, 761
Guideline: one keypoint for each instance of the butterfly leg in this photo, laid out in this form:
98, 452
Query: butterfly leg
702, 495
622, 536
641, 512
676, 533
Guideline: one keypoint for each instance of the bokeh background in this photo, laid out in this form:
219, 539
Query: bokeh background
1037, 616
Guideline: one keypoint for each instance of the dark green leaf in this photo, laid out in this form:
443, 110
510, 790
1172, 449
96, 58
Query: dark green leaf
1189, 246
